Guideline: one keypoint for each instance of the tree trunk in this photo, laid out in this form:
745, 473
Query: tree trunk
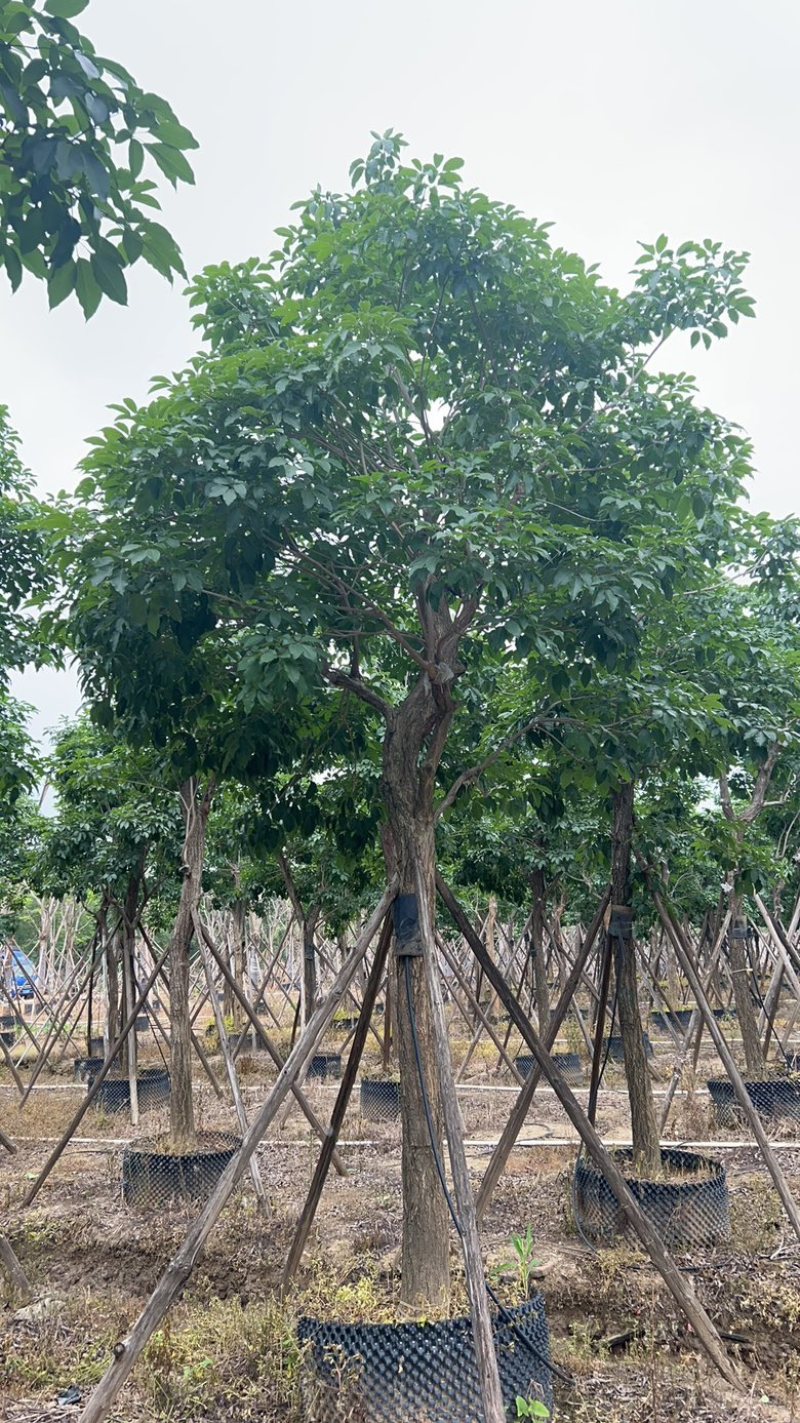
537, 949
195, 810
743, 998
239, 965
113, 1023
644, 1125
408, 792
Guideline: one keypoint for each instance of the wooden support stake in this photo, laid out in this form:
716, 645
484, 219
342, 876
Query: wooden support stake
173, 1280
605, 1163
485, 1352
19, 1283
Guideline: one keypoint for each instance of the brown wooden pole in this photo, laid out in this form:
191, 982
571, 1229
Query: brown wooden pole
648, 1235
18, 1281
173, 1280
309, 1210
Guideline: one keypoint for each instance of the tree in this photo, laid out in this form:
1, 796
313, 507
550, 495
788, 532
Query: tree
421, 438
77, 135
113, 842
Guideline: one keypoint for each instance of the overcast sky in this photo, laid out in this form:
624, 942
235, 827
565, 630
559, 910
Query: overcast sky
616, 121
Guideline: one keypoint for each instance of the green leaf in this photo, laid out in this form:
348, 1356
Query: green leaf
175, 135
60, 283
171, 162
65, 9
109, 277
88, 292
135, 157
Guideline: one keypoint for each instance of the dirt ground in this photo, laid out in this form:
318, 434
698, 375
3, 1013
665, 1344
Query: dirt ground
227, 1350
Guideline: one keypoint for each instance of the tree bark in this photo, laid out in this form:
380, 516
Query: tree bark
112, 977
408, 793
644, 1125
195, 808
537, 949
742, 997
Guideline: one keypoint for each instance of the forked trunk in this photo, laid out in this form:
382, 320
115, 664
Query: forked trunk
408, 790
195, 810
644, 1126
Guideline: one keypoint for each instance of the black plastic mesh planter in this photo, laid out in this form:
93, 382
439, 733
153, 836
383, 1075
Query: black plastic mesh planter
152, 1090
8, 1036
569, 1063
380, 1100
421, 1373
687, 1213
142, 1023
85, 1069
667, 1018
773, 1097
240, 1042
153, 1176
571, 1066
325, 1067
616, 1051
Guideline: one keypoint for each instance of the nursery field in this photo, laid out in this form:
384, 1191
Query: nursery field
228, 1349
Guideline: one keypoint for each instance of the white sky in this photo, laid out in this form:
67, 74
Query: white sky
616, 120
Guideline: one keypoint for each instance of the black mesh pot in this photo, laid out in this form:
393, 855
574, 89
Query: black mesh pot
774, 1097
686, 1213
720, 1013
421, 1373
569, 1063
571, 1066
240, 1042
325, 1067
85, 1069
8, 1037
667, 1018
142, 1023
380, 1100
152, 1090
616, 1052
152, 1176
7, 1020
